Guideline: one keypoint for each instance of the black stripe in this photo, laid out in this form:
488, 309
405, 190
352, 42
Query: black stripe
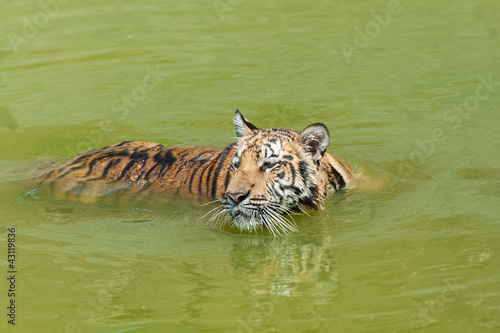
92, 164
126, 169
335, 178
79, 158
273, 192
179, 151
48, 175
74, 168
226, 181
159, 159
191, 178
144, 159
210, 170
108, 167
294, 172
149, 171
282, 132
200, 182
169, 158
339, 178
166, 161
219, 167
250, 125
295, 189
303, 170
194, 159
193, 173
308, 202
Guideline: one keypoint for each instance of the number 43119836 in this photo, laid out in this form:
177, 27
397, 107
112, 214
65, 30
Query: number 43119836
11, 252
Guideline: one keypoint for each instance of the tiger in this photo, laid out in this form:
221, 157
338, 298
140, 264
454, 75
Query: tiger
258, 181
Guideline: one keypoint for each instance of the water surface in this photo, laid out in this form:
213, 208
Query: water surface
410, 92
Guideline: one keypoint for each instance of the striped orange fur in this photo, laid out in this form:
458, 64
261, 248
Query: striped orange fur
265, 174
146, 167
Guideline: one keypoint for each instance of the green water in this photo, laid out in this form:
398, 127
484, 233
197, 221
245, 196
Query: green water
410, 91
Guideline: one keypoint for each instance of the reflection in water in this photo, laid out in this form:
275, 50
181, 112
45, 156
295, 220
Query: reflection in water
285, 267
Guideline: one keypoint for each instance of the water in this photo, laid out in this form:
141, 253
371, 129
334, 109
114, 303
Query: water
413, 99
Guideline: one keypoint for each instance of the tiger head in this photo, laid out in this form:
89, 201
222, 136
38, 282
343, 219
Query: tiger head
275, 172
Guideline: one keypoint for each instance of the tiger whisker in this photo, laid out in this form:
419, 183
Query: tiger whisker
303, 211
210, 211
211, 202
291, 226
270, 225
317, 202
284, 210
220, 214
225, 218
276, 217
293, 222
215, 218
283, 224
269, 218
281, 208
224, 221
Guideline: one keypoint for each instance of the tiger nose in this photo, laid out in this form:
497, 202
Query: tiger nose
237, 197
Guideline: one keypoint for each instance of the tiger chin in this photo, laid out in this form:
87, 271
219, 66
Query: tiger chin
259, 180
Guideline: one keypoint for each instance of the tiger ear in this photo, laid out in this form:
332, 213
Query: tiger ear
315, 138
242, 126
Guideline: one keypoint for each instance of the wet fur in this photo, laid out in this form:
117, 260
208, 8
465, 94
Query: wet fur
281, 170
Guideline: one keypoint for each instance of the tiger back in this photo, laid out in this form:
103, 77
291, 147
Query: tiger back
139, 169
